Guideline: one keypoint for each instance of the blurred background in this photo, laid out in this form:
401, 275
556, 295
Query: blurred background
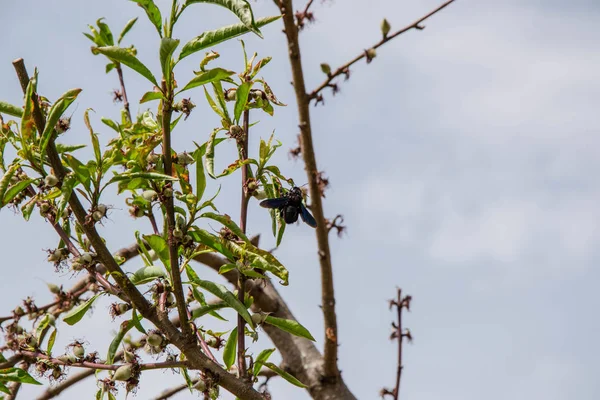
462, 159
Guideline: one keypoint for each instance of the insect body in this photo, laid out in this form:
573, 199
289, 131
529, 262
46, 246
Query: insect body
290, 206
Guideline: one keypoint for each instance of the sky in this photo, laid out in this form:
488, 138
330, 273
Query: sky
461, 158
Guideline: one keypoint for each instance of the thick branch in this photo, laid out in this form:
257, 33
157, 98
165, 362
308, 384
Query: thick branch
331, 371
344, 68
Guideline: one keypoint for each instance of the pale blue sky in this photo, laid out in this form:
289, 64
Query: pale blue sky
463, 159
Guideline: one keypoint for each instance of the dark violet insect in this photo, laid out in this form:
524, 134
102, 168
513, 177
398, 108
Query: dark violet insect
290, 206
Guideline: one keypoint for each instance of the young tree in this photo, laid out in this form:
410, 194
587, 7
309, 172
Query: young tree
165, 300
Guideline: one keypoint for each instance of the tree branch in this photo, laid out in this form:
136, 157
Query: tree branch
331, 371
167, 112
123, 91
344, 68
241, 335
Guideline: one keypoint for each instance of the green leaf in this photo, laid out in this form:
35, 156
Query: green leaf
27, 123
51, 341
111, 124
200, 176
260, 259
167, 47
212, 75
75, 315
288, 377
160, 247
261, 359
66, 189
229, 350
125, 57
67, 148
225, 268
127, 176
9, 109
241, 99
42, 326
290, 326
153, 13
114, 345
94, 137
4, 389
228, 222
221, 292
210, 240
5, 181
214, 37
15, 189
147, 274
126, 29
241, 8
105, 33
209, 309
56, 111
150, 96
136, 321
17, 375
212, 104
80, 170
210, 154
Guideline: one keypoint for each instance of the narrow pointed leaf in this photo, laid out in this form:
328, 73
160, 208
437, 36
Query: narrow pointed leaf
114, 345
241, 8
160, 247
126, 29
143, 175
56, 111
285, 375
290, 326
6, 108
75, 315
228, 222
167, 47
149, 96
261, 359
51, 341
221, 292
209, 76
241, 99
214, 37
125, 57
229, 350
210, 154
147, 274
153, 13
17, 375
15, 189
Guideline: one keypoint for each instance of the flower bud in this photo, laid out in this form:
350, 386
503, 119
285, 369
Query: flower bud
53, 288
97, 215
78, 350
200, 385
136, 212
184, 159
122, 373
154, 339
168, 192
67, 358
371, 53
129, 356
50, 180
150, 195
153, 158
326, 68
385, 27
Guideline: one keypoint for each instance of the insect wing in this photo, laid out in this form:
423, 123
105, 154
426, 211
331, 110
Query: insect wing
274, 203
307, 217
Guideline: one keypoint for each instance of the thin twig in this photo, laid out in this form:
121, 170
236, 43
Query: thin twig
399, 334
123, 91
107, 367
344, 68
